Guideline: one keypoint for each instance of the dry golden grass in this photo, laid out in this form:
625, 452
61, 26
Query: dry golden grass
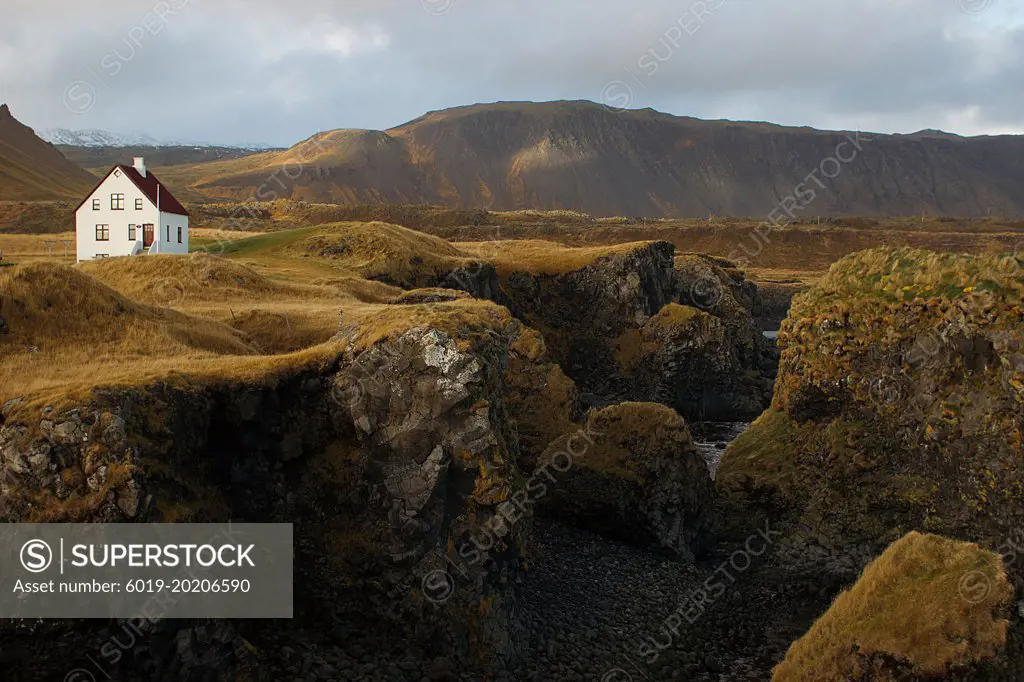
380, 251
101, 323
63, 325
22, 248
928, 602
804, 248
167, 280
765, 453
264, 305
914, 273
541, 257
462, 319
31, 248
277, 316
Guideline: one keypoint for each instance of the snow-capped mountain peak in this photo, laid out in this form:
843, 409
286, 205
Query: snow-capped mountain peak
97, 138
104, 138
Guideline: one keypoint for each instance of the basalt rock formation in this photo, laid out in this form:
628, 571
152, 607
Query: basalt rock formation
631, 472
395, 458
714, 365
623, 326
899, 405
543, 402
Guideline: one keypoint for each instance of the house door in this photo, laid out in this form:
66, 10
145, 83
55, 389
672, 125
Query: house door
147, 235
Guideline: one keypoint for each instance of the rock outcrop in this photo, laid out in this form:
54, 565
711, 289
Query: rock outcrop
543, 402
395, 458
718, 287
579, 309
620, 323
773, 301
899, 405
928, 608
631, 472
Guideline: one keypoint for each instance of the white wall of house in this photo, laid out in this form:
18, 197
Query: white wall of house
167, 239
119, 238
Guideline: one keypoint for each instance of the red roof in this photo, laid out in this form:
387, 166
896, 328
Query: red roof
148, 185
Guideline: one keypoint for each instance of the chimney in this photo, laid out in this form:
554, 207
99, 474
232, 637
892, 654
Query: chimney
140, 165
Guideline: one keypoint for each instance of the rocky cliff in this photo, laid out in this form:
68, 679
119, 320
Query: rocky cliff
631, 472
633, 323
395, 458
898, 405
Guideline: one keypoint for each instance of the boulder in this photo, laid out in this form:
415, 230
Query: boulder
631, 472
929, 608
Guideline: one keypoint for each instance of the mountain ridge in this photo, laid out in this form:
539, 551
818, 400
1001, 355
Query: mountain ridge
96, 137
580, 155
583, 156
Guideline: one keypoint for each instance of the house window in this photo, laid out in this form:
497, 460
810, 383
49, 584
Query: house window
116, 202
103, 233
95, 204
131, 233
179, 234
167, 234
138, 204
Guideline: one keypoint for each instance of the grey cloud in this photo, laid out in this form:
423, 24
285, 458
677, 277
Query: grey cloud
263, 70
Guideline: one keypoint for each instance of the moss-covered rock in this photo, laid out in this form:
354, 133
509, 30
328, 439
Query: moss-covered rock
899, 405
543, 403
928, 608
631, 472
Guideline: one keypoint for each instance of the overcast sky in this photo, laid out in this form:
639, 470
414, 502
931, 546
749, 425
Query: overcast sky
276, 71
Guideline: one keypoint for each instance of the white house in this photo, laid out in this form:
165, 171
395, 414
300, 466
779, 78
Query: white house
130, 213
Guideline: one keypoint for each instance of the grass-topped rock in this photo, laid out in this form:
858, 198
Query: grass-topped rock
631, 472
391, 448
621, 322
899, 405
929, 608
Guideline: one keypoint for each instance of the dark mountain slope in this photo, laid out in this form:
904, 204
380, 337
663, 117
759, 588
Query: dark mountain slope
582, 156
31, 169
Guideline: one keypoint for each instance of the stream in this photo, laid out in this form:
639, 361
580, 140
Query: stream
711, 439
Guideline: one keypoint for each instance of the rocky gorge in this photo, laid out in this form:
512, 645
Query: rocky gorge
530, 445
